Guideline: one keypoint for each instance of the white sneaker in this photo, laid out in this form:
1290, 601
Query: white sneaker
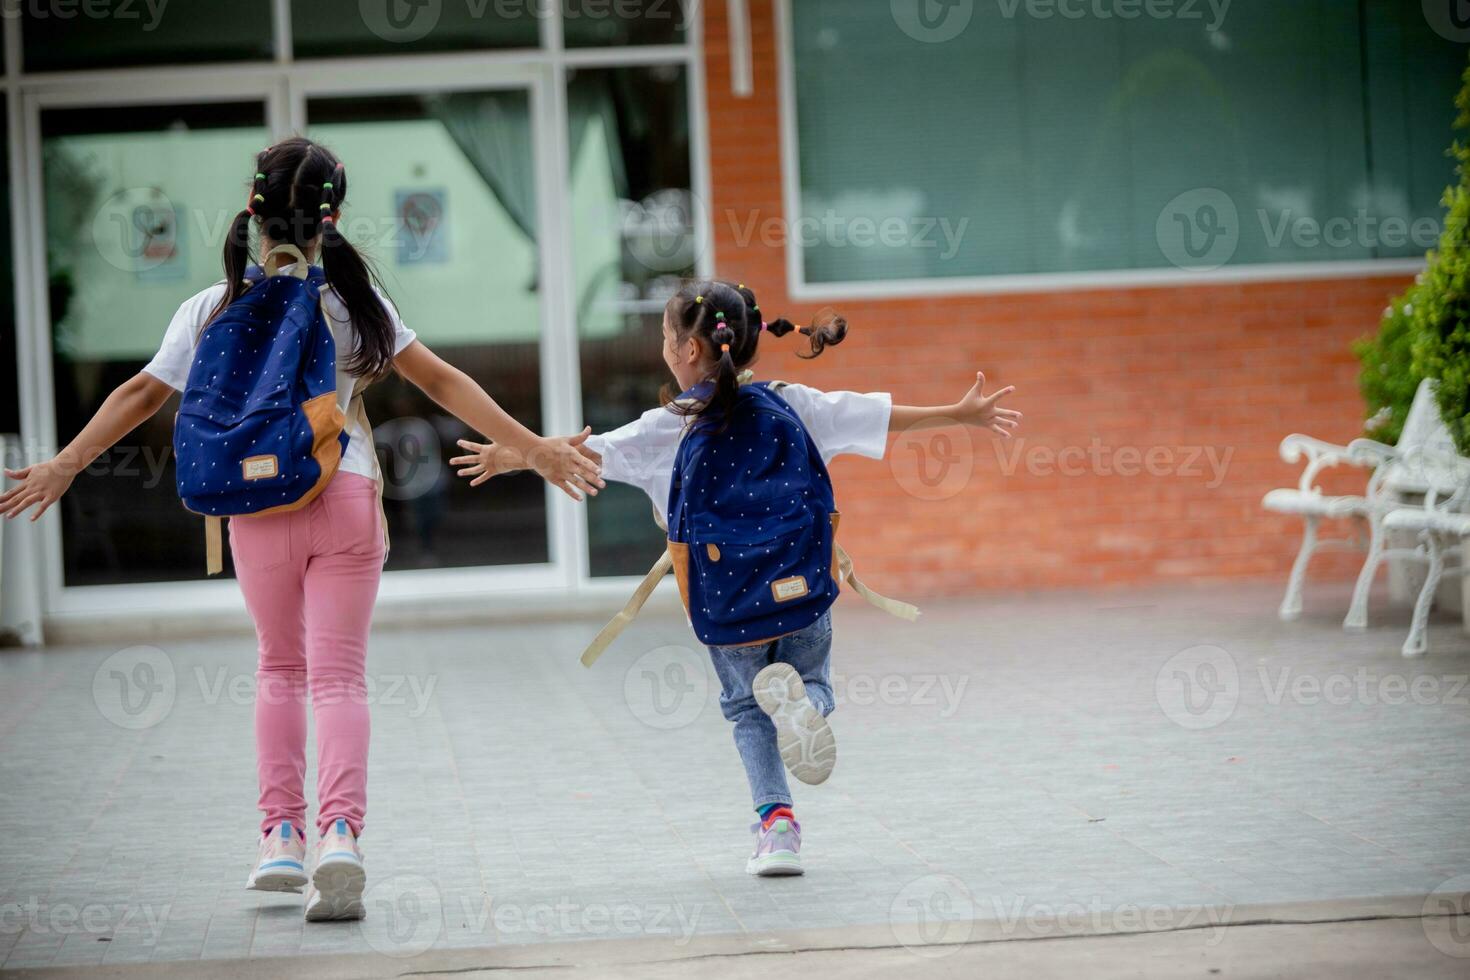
280, 867
807, 744
338, 877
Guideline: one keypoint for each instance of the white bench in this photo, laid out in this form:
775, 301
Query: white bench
1400, 475
1440, 525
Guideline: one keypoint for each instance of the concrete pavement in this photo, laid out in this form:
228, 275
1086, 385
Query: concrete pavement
1172, 763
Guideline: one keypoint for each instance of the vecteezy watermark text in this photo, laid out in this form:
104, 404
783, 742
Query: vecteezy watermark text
148, 12
1099, 459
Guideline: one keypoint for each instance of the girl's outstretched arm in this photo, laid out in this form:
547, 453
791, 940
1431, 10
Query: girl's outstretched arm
488, 459
130, 405
557, 460
976, 408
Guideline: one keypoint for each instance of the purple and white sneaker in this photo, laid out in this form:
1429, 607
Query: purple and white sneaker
281, 866
777, 845
338, 878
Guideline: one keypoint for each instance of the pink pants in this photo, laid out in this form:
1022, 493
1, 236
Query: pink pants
310, 578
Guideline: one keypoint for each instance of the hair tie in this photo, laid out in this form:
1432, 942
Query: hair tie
719, 316
259, 197
755, 309
250, 210
699, 299
339, 167
327, 219
763, 324
325, 206
740, 285
326, 185
260, 176
725, 348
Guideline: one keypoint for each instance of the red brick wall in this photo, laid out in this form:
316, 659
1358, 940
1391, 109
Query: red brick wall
1175, 370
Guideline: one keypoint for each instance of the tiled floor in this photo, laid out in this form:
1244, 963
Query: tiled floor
1091, 758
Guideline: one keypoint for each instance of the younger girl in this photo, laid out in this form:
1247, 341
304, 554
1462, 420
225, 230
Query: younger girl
777, 691
309, 576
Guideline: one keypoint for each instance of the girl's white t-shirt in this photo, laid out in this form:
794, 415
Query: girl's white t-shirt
642, 452
176, 354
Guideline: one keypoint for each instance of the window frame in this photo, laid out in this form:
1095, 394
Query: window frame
1032, 282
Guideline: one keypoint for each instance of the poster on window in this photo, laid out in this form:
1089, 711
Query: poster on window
423, 234
138, 230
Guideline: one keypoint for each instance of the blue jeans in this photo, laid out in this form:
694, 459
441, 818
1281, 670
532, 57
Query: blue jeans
809, 651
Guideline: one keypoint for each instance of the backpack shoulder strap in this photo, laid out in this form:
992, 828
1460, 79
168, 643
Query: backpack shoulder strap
893, 607
629, 612
214, 549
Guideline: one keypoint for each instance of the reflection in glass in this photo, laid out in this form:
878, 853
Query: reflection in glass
594, 23
442, 197
1057, 144
347, 28
137, 201
634, 240
58, 36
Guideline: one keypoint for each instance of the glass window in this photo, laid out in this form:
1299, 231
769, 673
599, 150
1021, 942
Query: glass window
343, 28
116, 33
593, 23
1017, 143
443, 198
633, 241
136, 201
9, 382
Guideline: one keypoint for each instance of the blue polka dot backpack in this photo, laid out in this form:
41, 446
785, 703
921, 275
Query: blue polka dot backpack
259, 429
752, 526
752, 522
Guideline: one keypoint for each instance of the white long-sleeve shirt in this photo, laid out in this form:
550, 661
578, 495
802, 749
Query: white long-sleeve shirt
642, 452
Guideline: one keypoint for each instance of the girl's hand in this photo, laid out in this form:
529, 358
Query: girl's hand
41, 484
983, 411
561, 461
487, 460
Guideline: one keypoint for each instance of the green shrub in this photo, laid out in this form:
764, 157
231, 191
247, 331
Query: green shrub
1388, 379
1441, 307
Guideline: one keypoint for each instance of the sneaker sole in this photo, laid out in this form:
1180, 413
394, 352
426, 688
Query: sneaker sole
779, 864
278, 880
339, 886
807, 744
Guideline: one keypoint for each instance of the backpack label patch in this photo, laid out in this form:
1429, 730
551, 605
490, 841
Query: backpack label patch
787, 589
260, 467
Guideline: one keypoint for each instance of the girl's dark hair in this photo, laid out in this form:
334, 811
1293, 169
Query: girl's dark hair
298, 189
726, 318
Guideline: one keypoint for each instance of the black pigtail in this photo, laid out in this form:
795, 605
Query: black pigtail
236, 256
727, 388
235, 259
353, 279
828, 329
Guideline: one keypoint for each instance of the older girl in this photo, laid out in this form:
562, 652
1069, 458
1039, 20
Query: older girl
309, 576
